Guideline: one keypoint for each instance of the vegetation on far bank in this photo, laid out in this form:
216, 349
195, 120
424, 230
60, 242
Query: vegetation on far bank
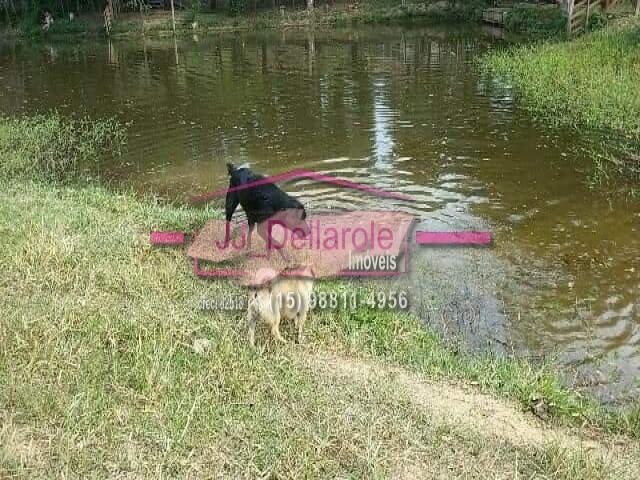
103, 372
587, 83
198, 17
531, 20
136, 17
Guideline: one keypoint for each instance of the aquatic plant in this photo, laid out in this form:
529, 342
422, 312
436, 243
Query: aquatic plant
535, 21
55, 147
587, 83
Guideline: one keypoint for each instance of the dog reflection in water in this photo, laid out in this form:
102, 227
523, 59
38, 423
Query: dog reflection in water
285, 297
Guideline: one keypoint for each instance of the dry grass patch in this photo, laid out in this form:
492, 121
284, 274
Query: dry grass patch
99, 376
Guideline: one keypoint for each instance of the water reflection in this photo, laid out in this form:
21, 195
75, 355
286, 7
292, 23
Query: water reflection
382, 120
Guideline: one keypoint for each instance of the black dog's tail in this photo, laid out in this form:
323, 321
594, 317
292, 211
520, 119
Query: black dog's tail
231, 168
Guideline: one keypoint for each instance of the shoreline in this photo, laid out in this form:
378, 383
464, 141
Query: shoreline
158, 23
587, 83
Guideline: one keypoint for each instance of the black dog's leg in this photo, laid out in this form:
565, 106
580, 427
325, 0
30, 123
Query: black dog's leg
252, 226
231, 203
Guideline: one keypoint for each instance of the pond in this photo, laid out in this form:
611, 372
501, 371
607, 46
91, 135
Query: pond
402, 109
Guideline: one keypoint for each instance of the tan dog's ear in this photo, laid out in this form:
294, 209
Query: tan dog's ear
261, 278
308, 272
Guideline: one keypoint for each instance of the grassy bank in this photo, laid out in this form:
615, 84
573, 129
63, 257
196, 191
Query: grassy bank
587, 83
536, 22
99, 375
54, 148
530, 20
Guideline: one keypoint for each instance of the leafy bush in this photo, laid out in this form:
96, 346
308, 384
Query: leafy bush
470, 10
536, 21
236, 7
597, 21
30, 21
588, 83
53, 147
192, 11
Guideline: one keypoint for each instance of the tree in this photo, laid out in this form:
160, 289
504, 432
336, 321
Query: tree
173, 18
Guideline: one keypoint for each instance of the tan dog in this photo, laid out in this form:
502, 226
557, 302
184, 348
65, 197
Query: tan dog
285, 297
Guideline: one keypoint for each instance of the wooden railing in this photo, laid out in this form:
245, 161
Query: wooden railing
579, 12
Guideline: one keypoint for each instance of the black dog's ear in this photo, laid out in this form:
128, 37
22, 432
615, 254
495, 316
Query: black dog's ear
231, 168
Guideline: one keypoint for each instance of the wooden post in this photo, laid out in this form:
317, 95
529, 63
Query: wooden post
108, 17
311, 42
569, 15
586, 22
173, 18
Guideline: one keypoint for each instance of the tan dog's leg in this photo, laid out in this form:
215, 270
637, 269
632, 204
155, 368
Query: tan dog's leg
299, 322
253, 312
274, 321
269, 307
305, 302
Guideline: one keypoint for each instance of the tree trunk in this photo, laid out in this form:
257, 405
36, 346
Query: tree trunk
311, 47
637, 7
173, 18
108, 17
309, 4
586, 25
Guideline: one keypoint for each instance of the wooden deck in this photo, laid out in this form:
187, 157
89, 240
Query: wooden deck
579, 13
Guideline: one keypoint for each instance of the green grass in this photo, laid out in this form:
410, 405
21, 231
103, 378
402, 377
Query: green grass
588, 83
536, 22
60, 27
98, 376
400, 338
54, 147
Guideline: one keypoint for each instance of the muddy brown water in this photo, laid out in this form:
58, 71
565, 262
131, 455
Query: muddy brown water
402, 109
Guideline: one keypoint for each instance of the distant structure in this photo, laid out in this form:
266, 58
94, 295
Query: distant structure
108, 14
495, 16
579, 12
47, 19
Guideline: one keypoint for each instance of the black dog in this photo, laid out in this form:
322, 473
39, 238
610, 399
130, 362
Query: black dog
260, 202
